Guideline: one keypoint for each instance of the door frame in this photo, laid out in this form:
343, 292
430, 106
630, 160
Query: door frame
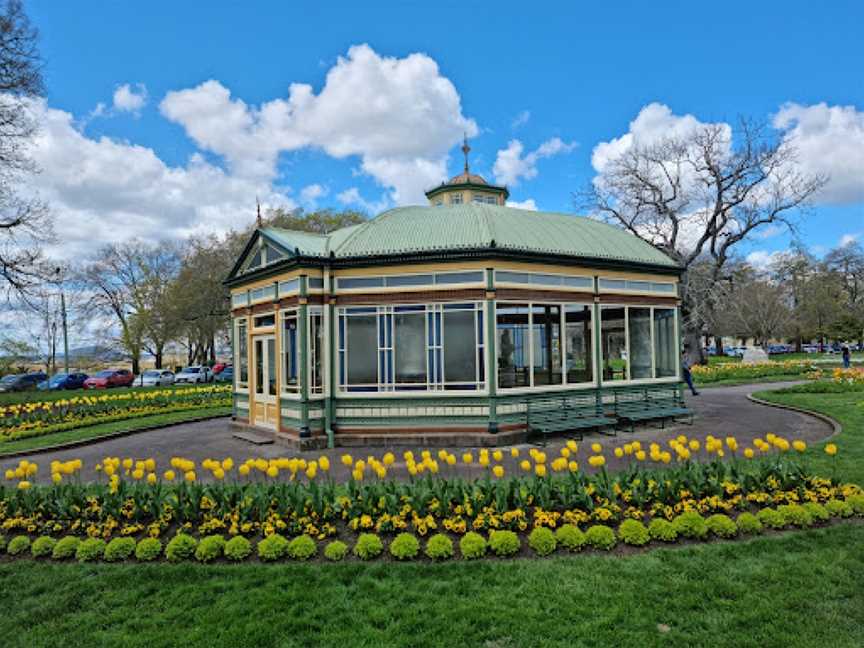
263, 398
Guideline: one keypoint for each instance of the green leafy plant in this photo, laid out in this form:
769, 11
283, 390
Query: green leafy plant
542, 541
721, 526
273, 547
336, 550
65, 548
771, 518
796, 515
368, 546
570, 537
119, 549
42, 547
181, 547
600, 536
856, 501
663, 530
691, 525
18, 545
818, 512
748, 524
472, 545
633, 532
503, 542
302, 548
238, 548
2, 542
404, 546
839, 508
90, 549
210, 548
439, 547
148, 549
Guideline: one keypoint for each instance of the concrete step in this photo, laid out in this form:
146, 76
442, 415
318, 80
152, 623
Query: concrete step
255, 438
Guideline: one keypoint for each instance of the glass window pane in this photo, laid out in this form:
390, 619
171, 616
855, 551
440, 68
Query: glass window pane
638, 285
410, 347
271, 366
512, 335
546, 279
665, 356
458, 277
362, 350
613, 284
259, 367
286, 287
546, 338
640, 343
361, 282
243, 356
613, 343
579, 282
460, 353
289, 354
663, 287
505, 276
579, 355
410, 280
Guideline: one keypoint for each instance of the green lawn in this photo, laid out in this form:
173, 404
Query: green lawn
820, 358
103, 429
39, 396
801, 589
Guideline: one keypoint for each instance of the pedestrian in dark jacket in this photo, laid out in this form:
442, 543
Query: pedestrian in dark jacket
685, 371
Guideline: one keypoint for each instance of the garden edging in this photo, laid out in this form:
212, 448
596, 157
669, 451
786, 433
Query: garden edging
835, 426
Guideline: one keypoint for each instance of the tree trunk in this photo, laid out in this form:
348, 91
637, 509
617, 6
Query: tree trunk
136, 365
158, 357
718, 344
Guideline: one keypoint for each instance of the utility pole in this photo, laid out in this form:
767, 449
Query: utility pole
63, 317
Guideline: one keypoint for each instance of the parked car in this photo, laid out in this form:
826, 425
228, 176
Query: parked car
194, 375
219, 367
21, 382
226, 375
63, 381
735, 352
108, 378
156, 378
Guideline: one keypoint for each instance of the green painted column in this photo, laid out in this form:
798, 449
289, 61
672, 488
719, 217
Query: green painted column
332, 345
491, 352
598, 346
303, 316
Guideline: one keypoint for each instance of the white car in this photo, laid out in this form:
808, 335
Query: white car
194, 375
156, 378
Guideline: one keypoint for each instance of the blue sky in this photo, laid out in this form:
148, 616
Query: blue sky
173, 154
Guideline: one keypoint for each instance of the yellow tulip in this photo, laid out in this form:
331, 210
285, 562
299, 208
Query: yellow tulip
227, 464
467, 458
831, 449
748, 452
272, 472
24, 485
514, 452
799, 446
219, 474
498, 471
640, 455
573, 466
525, 465
451, 460
243, 470
565, 452
190, 476
56, 477
150, 465
137, 474
540, 470
324, 463
151, 478
619, 452
168, 475
596, 448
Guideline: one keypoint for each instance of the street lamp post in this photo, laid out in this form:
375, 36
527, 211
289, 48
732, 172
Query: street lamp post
65, 330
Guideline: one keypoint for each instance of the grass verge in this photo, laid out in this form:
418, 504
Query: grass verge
106, 429
798, 589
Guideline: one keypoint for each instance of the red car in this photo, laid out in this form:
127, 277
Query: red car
110, 378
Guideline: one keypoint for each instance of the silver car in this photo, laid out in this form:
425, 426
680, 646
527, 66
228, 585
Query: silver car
156, 378
194, 375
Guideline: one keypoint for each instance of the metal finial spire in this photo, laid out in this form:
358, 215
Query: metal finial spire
465, 150
258, 204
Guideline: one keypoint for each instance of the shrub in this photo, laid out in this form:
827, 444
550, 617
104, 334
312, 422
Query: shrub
796, 515
302, 548
148, 549
721, 526
368, 546
748, 524
663, 530
856, 502
504, 543
90, 549
633, 532
771, 518
181, 547
238, 548
472, 545
210, 548
691, 525
839, 508
439, 547
404, 546
273, 547
2, 542
817, 511
542, 541
119, 549
570, 537
18, 545
336, 550
65, 548
600, 536
42, 547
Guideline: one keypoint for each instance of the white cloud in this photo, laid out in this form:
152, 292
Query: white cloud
102, 191
830, 141
849, 239
521, 119
129, 99
528, 204
311, 193
510, 164
769, 231
762, 259
352, 196
399, 116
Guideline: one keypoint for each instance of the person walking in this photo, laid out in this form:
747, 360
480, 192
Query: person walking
847, 357
685, 371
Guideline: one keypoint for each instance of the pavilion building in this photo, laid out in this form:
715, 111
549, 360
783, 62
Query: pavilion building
442, 323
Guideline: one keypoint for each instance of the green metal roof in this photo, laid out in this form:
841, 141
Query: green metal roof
419, 230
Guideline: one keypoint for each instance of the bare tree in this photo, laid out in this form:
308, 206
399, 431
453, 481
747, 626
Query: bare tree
757, 307
24, 220
697, 196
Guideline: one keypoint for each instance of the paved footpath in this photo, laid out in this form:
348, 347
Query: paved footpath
720, 411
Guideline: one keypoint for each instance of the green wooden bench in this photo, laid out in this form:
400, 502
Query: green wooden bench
567, 413
651, 403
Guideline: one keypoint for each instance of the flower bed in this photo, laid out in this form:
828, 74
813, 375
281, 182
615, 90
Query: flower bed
742, 371
765, 487
24, 420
